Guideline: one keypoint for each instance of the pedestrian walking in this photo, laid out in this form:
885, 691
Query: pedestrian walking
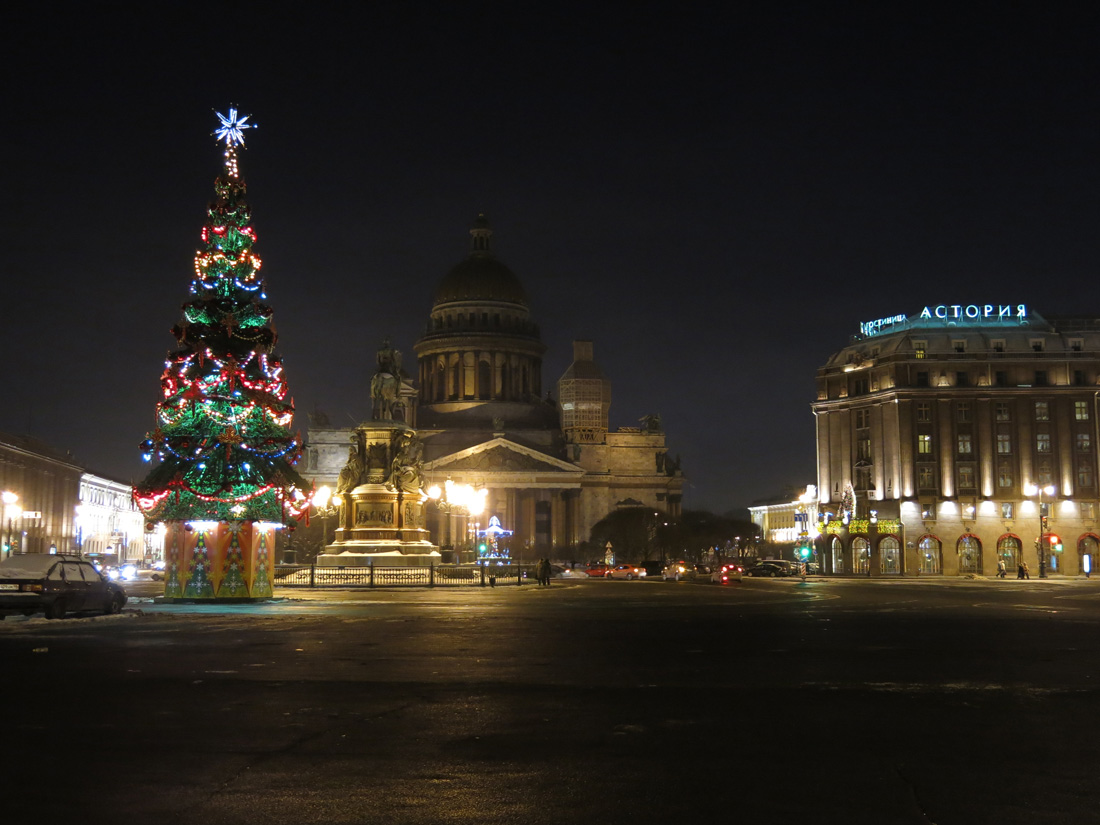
1001, 568
1020, 570
1027, 571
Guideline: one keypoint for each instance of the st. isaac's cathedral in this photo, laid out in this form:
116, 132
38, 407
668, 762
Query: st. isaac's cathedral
550, 466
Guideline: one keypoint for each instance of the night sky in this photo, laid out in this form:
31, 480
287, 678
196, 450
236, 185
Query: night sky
716, 198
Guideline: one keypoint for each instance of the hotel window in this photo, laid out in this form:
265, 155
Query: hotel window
1045, 479
1000, 378
1004, 411
924, 412
1004, 444
962, 380
1042, 411
1042, 442
922, 379
1076, 344
1081, 410
1036, 344
863, 450
1084, 442
999, 345
1084, 474
860, 386
1004, 476
924, 444
926, 477
1040, 378
1006, 509
920, 349
958, 346
1078, 378
1088, 510
966, 476
962, 412
863, 419
966, 445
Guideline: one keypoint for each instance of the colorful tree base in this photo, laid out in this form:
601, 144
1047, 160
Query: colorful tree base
218, 561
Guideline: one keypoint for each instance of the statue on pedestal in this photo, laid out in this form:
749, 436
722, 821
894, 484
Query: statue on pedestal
385, 385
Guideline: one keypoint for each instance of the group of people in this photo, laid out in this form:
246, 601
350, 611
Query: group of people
1022, 570
543, 571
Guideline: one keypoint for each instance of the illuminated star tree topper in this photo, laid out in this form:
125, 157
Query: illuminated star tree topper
232, 132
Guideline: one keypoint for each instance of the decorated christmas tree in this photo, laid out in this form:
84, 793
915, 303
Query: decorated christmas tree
223, 444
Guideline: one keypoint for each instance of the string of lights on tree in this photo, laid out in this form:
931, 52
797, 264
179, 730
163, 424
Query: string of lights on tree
222, 446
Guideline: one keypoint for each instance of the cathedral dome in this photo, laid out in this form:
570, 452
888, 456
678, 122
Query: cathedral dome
480, 277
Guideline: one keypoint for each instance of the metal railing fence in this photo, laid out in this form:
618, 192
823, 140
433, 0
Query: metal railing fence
436, 575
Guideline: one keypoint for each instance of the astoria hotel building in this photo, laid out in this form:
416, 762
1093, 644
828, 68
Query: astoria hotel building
954, 438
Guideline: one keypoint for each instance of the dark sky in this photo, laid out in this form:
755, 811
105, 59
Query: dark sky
716, 198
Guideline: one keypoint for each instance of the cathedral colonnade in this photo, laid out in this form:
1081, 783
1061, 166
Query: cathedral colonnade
544, 521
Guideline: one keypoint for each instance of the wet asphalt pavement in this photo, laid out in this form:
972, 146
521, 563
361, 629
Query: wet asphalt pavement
589, 701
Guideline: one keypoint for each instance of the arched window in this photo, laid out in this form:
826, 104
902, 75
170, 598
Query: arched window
439, 381
484, 379
861, 556
930, 552
838, 555
889, 550
1088, 547
1008, 551
970, 555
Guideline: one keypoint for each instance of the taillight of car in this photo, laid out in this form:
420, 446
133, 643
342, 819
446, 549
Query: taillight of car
725, 578
32, 588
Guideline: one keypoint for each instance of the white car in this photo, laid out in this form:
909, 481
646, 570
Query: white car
683, 570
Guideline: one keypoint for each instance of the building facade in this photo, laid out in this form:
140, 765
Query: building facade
952, 439
41, 487
109, 526
552, 468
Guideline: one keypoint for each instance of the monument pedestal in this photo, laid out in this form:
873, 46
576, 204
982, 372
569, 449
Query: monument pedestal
381, 516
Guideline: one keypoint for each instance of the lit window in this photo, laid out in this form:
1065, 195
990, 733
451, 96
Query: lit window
1004, 411
1004, 476
1088, 510
1006, 509
1042, 442
920, 349
1004, 444
966, 477
966, 445
1084, 442
924, 444
1042, 411
926, 477
1084, 474
1081, 410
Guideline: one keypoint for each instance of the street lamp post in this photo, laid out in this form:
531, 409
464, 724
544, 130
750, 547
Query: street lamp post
1036, 490
321, 501
12, 511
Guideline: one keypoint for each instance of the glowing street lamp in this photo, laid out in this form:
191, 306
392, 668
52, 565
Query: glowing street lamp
12, 511
1035, 490
321, 501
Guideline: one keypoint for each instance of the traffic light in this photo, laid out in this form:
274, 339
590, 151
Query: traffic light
805, 550
1055, 543
1044, 523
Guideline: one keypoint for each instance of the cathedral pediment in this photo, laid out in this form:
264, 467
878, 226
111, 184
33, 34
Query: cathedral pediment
502, 456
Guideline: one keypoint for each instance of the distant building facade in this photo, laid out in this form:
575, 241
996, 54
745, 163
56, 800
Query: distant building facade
552, 468
43, 485
936, 431
109, 526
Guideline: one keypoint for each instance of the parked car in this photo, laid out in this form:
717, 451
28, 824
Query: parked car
56, 585
681, 570
767, 569
727, 573
626, 571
